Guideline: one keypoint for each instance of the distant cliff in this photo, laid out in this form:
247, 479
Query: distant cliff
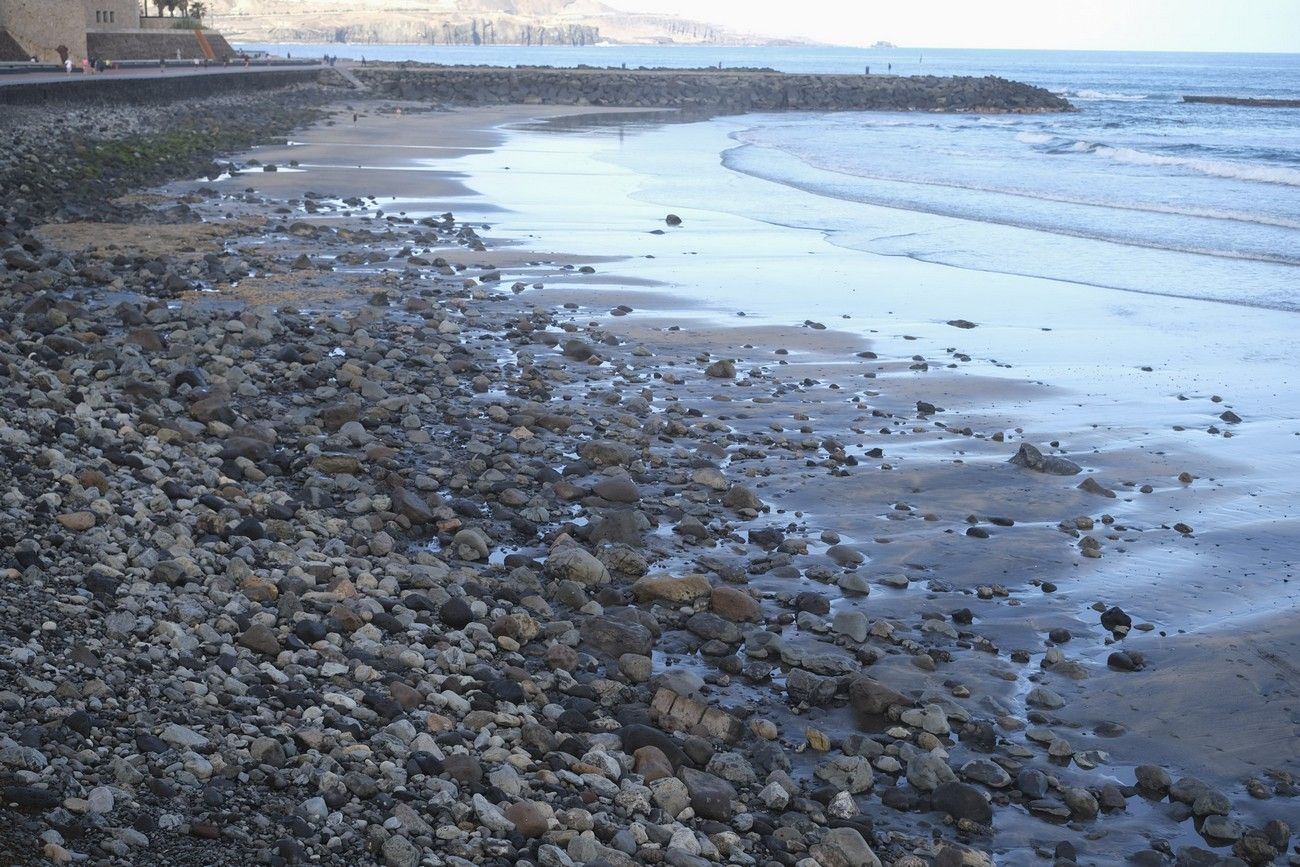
460, 22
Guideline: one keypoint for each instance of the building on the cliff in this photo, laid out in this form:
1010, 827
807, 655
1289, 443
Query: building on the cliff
52, 30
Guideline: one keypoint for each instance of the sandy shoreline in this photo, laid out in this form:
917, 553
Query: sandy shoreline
966, 632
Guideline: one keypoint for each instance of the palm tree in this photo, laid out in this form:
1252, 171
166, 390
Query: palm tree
198, 10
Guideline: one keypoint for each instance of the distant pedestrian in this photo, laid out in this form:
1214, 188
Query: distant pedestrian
889, 67
354, 117
67, 65
868, 71
162, 62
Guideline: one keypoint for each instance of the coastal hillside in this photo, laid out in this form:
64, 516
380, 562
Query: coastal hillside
461, 22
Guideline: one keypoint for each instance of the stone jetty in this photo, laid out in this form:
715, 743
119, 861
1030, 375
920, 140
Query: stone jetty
713, 90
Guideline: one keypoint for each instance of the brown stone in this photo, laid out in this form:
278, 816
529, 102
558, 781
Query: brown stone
675, 712
733, 604
93, 479
561, 657
652, 764
519, 626
77, 521
873, 697
408, 697
259, 589
213, 408
260, 638
669, 589
436, 722
338, 464
531, 818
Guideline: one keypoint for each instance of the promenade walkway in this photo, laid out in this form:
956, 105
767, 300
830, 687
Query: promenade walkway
175, 69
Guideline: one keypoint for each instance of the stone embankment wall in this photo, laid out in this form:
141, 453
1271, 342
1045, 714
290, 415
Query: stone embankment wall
711, 89
107, 90
153, 44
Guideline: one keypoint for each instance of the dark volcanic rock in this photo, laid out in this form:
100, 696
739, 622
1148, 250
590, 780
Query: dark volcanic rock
1031, 458
962, 801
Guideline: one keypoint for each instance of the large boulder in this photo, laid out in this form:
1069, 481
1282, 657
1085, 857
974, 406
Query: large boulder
870, 696
607, 453
616, 637
710, 796
667, 588
850, 774
572, 563
733, 604
926, 772
962, 801
844, 847
1033, 459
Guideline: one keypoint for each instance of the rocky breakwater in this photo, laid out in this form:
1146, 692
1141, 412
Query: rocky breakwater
710, 90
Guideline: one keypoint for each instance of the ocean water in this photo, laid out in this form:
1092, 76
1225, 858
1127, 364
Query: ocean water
1136, 191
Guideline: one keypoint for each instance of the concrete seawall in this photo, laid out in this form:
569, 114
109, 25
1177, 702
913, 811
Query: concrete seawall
109, 89
717, 90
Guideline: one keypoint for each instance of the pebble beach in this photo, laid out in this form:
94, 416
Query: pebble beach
341, 532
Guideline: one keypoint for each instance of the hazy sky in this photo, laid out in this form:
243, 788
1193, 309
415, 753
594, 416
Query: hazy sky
1152, 25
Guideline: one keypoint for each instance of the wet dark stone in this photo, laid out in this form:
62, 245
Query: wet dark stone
1125, 660
979, 735
505, 690
250, 528
455, 612
767, 538
901, 798
310, 630
1032, 783
573, 721
814, 603
1115, 617
636, 736
147, 743
80, 722
962, 801
29, 797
